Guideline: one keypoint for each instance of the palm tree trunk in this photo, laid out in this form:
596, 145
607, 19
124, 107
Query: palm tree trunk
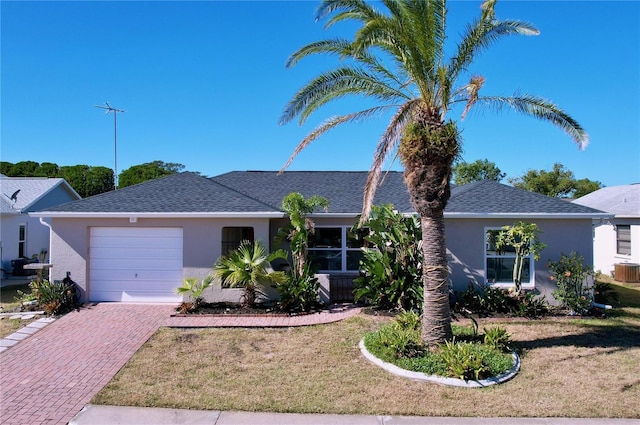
436, 321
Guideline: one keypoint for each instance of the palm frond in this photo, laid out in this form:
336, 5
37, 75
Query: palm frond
345, 10
542, 109
387, 143
336, 84
328, 125
480, 35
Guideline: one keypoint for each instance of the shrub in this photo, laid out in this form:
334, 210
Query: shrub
572, 276
498, 338
299, 293
463, 360
194, 288
604, 293
391, 268
490, 299
54, 297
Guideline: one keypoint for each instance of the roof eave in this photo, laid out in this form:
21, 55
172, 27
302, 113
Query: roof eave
562, 216
213, 214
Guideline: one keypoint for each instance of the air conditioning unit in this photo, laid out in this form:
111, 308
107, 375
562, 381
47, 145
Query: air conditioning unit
627, 272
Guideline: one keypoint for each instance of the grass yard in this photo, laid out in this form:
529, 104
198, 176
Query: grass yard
570, 368
8, 303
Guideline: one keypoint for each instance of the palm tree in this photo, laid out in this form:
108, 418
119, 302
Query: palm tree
247, 267
397, 58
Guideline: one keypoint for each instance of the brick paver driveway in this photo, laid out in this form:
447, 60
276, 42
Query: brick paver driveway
50, 376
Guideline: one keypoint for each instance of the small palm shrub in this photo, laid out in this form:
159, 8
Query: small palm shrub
194, 288
489, 299
498, 338
247, 267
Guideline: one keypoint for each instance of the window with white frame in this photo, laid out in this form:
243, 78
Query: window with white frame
233, 236
335, 249
499, 264
623, 239
22, 240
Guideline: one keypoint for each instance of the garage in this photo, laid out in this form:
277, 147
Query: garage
142, 264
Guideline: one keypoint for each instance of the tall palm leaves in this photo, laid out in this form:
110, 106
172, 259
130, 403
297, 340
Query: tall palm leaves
397, 58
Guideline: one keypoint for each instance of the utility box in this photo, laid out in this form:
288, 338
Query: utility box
627, 272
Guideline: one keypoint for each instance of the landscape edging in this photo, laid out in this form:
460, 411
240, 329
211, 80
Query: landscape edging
419, 376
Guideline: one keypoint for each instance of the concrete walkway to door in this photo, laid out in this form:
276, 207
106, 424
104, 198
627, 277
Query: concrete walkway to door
49, 377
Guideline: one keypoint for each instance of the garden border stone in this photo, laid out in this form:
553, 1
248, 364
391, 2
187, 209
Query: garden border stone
419, 376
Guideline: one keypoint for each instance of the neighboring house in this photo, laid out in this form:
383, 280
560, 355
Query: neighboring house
616, 240
22, 236
138, 243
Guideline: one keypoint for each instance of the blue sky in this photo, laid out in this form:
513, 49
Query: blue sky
204, 83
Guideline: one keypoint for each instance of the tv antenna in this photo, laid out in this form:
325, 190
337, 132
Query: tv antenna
115, 111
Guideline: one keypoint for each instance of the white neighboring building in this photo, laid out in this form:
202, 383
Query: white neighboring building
616, 241
22, 236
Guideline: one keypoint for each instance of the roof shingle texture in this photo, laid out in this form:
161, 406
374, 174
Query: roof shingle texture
263, 191
619, 200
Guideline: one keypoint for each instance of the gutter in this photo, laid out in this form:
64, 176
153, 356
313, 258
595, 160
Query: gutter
135, 215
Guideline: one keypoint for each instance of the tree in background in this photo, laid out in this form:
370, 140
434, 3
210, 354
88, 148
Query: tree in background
557, 183
147, 171
88, 180
481, 169
397, 59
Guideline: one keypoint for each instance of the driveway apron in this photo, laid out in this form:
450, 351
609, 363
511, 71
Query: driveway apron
49, 377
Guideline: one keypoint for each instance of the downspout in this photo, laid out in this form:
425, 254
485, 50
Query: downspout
44, 223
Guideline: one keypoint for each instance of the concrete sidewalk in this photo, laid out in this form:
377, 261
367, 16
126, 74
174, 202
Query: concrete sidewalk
117, 415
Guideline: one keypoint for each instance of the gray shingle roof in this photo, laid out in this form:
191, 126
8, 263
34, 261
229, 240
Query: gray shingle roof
343, 189
620, 200
491, 197
263, 191
176, 193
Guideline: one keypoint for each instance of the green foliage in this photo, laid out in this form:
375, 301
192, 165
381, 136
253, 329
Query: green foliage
300, 228
523, 238
85, 179
481, 169
54, 297
489, 299
498, 338
475, 357
194, 288
605, 293
147, 171
464, 360
558, 183
572, 277
299, 293
247, 267
391, 270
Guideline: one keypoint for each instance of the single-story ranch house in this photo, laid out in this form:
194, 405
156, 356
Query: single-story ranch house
138, 243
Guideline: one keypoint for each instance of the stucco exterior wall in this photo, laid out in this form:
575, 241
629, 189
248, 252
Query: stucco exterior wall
201, 245
605, 254
465, 242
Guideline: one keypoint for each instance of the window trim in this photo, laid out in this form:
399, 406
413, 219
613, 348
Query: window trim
626, 227
530, 285
22, 241
344, 229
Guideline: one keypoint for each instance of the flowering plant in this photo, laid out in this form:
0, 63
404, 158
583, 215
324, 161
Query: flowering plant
574, 289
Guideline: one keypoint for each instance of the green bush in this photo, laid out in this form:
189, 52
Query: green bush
498, 338
391, 268
572, 276
463, 360
489, 299
54, 297
299, 293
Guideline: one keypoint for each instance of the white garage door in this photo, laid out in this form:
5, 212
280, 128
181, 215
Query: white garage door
135, 264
